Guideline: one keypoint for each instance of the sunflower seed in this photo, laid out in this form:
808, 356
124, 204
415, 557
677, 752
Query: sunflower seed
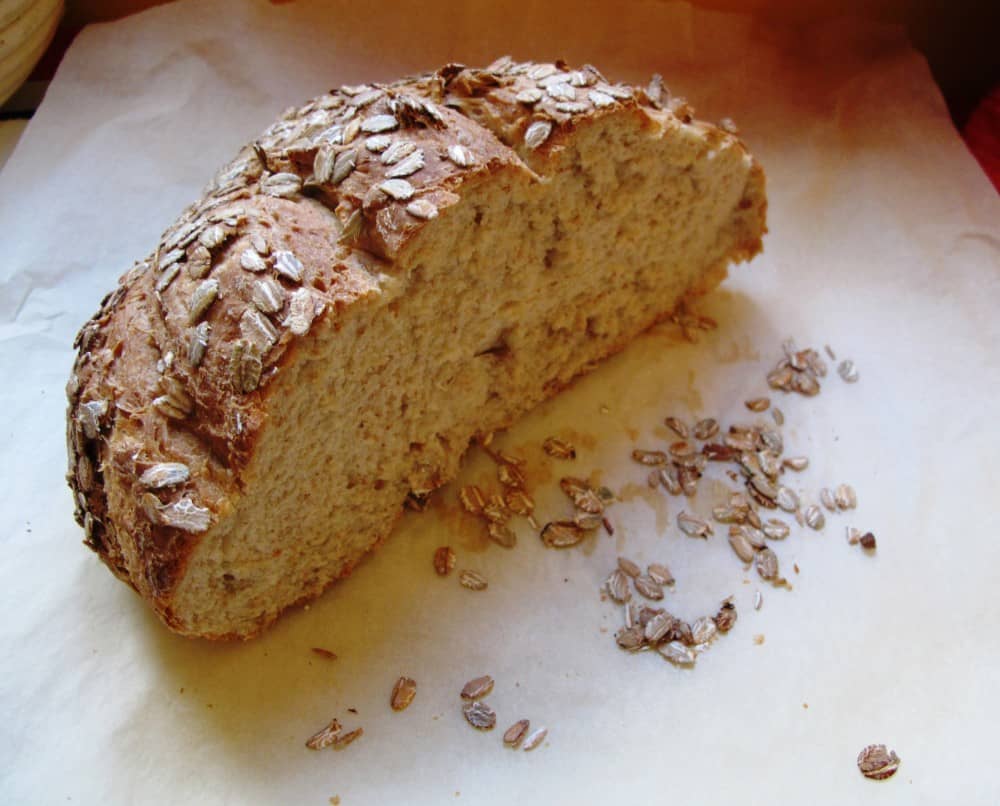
693, 526
706, 429
776, 530
377, 124
341, 741
740, 544
787, 499
845, 497
826, 499
796, 463
758, 404
767, 564
562, 534
281, 185
480, 715
198, 343
477, 688
660, 574
403, 693
422, 209
301, 311
515, 733
848, 371
288, 265
267, 295
502, 535
629, 567
558, 449
398, 189
868, 541
657, 627
537, 133
325, 737
877, 762
677, 653
647, 587
444, 560
631, 638
165, 474
204, 295
814, 517
473, 580
536, 738
186, 515
245, 366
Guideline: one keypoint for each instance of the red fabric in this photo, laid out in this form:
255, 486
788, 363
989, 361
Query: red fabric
982, 135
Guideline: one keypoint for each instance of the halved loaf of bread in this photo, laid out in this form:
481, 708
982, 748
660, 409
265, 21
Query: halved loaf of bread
386, 273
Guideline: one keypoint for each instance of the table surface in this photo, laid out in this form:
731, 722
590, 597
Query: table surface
884, 243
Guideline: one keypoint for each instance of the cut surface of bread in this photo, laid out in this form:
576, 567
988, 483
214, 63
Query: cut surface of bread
234, 457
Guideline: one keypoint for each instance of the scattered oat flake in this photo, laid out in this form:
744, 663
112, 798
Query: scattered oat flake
660, 574
558, 449
444, 560
647, 587
617, 586
471, 498
629, 567
325, 737
473, 580
340, 742
758, 600
403, 693
815, 518
477, 687
845, 497
536, 738
677, 653
758, 404
829, 352
778, 416
562, 534
480, 715
677, 426
324, 653
513, 736
877, 762
848, 371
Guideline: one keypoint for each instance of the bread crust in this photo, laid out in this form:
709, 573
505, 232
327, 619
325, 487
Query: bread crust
306, 223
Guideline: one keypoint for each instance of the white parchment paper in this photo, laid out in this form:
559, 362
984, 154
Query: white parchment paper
884, 243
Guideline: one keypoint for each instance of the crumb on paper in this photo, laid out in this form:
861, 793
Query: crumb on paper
758, 639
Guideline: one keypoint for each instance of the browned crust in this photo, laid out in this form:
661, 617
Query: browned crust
135, 352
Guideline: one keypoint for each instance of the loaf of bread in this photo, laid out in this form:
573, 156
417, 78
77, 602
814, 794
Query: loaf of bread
386, 274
